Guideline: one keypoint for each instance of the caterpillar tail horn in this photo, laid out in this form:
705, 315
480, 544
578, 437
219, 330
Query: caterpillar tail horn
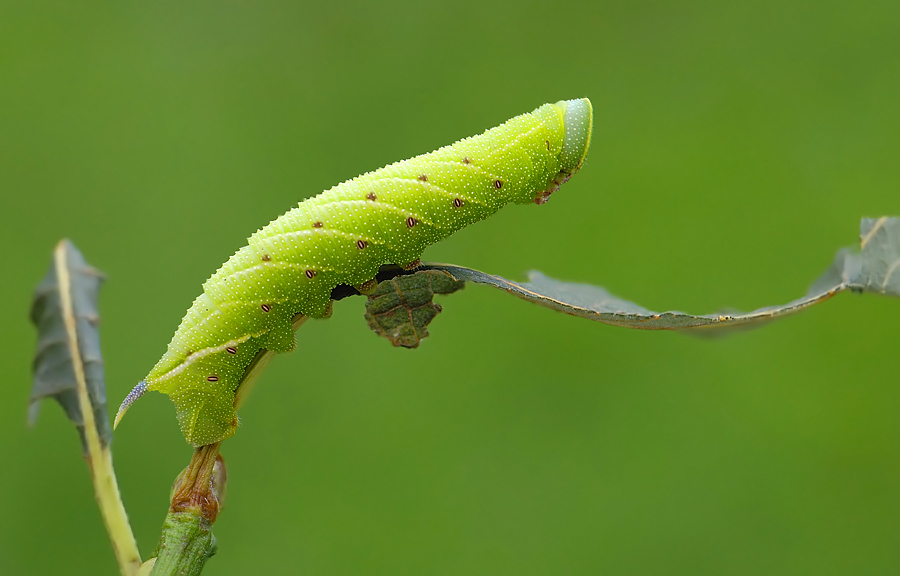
132, 397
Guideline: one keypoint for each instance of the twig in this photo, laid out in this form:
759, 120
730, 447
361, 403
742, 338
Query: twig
106, 488
187, 540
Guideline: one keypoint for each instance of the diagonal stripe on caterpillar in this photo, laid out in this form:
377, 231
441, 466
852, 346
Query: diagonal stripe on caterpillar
342, 236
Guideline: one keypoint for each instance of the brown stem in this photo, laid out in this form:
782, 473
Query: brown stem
196, 488
187, 540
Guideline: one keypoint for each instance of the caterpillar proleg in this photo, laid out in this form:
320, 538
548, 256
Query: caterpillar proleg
342, 236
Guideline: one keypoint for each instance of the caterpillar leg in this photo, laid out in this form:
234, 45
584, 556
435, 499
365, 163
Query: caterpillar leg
368, 287
205, 416
412, 265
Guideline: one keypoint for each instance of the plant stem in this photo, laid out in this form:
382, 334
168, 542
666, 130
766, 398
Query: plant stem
106, 489
113, 510
187, 539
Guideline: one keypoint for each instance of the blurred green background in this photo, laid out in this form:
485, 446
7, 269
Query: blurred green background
736, 146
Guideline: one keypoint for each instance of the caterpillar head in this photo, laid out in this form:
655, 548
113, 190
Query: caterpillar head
578, 120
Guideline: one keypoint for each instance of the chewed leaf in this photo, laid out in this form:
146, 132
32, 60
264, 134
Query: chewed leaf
65, 299
875, 268
401, 308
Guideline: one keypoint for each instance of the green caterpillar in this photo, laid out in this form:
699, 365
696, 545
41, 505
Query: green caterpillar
342, 236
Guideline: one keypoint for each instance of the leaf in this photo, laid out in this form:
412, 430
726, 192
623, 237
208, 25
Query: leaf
64, 310
876, 268
401, 308
68, 367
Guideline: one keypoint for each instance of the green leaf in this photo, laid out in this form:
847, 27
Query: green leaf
401, 308
875, 268
64, 310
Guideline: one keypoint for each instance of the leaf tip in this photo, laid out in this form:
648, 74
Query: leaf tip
33, 409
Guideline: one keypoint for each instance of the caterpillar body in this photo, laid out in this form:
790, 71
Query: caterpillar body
342, 236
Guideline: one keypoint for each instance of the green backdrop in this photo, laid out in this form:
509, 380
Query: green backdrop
736, 146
